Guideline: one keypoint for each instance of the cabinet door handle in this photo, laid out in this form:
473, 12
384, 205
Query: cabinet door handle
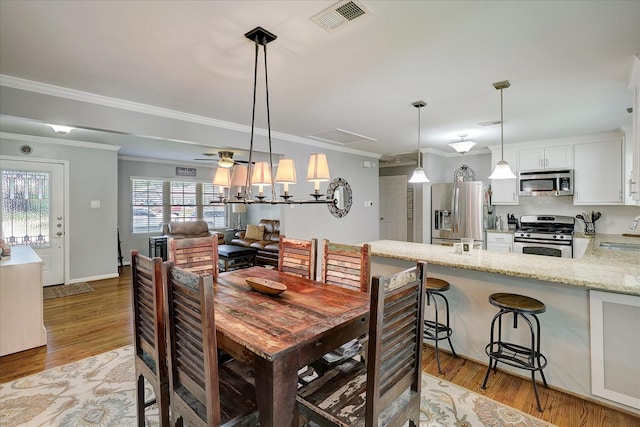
631, 184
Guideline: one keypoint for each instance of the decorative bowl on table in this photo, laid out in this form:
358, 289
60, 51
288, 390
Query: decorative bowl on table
266, 286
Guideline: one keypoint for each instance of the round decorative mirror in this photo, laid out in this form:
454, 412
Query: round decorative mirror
340, 191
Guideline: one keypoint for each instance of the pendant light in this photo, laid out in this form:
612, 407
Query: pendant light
418, 174
502, 169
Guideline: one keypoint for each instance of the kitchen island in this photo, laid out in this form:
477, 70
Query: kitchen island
21, 313
565, 285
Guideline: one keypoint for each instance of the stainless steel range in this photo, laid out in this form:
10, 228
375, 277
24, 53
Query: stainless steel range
549, 235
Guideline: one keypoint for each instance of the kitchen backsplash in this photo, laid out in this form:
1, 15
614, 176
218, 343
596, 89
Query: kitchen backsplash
614, 220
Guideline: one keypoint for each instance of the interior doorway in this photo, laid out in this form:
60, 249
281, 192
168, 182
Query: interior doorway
393, 207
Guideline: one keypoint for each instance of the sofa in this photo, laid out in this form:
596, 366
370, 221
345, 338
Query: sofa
189, 230
264, 237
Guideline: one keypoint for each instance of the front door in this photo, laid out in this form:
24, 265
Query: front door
33, 212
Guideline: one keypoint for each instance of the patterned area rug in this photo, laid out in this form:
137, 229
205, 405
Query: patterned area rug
100, 391
58, 291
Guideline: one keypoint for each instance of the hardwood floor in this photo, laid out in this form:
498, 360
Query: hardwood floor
84, 325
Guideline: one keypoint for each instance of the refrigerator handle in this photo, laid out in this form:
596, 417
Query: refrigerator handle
456, 207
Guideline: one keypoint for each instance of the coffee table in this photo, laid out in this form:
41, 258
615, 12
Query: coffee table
232, 257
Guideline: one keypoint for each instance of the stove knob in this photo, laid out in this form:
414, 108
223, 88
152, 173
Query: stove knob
562, 237
555, 237
528, 235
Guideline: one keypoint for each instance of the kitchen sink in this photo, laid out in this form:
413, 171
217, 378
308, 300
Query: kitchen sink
621, 246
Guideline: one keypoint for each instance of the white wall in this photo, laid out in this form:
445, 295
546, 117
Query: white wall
93, 251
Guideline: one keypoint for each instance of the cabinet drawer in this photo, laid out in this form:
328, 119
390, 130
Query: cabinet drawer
499, 237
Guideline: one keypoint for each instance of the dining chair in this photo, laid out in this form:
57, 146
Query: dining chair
348, 266
198, 255
298, 257
149, 335
384, 390
203, 391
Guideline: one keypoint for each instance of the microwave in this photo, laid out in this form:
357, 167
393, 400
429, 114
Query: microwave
546, 183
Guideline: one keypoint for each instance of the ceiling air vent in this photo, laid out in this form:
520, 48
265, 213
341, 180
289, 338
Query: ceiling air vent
339, 14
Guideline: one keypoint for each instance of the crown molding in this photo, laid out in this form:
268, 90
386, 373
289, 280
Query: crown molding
165, 162
58, 141
106, 101
571, 140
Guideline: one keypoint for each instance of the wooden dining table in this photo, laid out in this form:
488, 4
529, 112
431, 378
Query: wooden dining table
279, 334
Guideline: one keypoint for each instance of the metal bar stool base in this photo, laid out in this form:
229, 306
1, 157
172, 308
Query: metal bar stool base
512, 354
434, 329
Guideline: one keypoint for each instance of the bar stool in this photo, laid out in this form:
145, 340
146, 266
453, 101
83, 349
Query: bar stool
516, 355
434, 329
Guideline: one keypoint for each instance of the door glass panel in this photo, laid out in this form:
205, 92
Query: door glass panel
25, 207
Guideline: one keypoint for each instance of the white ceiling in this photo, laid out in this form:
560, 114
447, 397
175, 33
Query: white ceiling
568, 63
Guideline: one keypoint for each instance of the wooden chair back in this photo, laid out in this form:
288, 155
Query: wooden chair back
298, 257
344, 265
150, 359
198, 255
387, 390
195, 380
394, 362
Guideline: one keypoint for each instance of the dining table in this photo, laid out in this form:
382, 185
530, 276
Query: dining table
279, 334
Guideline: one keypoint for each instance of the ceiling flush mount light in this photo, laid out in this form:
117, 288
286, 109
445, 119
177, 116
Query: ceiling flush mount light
260, 173
462, 146
502, 169
418, 174
61, 129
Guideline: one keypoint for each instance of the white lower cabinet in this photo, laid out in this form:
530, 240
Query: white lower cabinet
615, 347
499, 242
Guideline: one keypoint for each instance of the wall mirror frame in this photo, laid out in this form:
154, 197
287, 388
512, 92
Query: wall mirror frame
339, 190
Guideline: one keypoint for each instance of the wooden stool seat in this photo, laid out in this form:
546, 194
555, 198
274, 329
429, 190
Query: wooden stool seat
437, 285
519, 303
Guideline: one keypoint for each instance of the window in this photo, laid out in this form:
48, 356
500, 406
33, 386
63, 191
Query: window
155, 202
146, 205
213, 213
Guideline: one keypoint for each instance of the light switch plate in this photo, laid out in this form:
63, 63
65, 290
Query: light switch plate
95, 204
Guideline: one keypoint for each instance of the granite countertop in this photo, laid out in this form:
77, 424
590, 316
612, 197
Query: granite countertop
600, 268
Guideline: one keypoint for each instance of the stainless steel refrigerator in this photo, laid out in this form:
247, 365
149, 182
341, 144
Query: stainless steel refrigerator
456, 212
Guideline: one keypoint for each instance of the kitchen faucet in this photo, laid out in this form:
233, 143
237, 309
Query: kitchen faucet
634, 223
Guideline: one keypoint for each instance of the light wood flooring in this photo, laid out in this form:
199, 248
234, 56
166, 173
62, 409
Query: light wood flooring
84, 325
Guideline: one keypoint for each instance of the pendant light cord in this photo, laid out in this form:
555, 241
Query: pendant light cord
253, 120
501, 128
266, 85
419, 108
247, 188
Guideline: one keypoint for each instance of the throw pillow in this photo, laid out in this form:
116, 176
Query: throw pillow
254, 232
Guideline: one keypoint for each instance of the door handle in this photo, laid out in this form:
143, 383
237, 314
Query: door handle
59, 233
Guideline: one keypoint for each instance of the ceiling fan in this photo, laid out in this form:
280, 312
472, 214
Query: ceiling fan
225, 159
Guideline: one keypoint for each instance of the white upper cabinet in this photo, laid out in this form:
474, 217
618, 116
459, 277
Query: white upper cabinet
552, 157
634, 139
505, 191
598, 173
